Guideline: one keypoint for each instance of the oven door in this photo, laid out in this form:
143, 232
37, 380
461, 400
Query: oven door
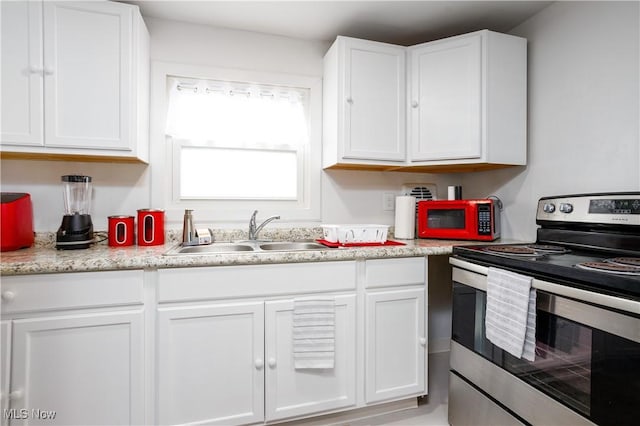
587, 363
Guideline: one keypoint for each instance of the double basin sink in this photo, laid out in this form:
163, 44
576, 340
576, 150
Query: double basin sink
245, 246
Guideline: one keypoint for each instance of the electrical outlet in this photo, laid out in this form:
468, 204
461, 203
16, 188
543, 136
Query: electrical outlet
388, 201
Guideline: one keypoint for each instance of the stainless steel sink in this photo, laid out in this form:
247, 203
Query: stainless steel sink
291, 246
244, 246
211, 249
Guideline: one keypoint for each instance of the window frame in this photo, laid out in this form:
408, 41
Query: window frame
164, 160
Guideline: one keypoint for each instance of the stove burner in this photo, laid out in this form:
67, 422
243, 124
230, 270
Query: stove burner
627, 261
529, 250
513, 251
609, 267
547, 248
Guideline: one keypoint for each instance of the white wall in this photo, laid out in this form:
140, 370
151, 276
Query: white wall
119, 189
584, 88
346, 196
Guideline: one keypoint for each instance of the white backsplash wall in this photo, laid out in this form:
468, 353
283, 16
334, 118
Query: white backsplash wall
350, 196
118, 189
584, 113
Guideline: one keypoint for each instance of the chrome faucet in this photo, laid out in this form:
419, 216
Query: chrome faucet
253, 230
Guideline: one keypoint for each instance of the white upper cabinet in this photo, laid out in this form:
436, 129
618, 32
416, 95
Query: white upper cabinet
22, 73
464, 100
468, 101
76, 80
364, 104
445, 100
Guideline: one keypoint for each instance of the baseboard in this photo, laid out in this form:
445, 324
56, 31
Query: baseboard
346, 417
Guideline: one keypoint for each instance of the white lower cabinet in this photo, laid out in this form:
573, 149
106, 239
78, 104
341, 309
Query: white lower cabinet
79, 369
395, 328
5, 367
225, 340
208, 345
73, 349
211, 364
395, 344
294, 392
224, 360
219, 363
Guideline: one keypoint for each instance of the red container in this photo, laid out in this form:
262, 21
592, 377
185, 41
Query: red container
150, 227
16, 221
121, 231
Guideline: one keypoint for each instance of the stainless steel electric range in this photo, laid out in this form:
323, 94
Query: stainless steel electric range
585, 266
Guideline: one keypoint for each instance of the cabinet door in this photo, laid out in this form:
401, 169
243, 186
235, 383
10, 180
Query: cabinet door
374, 101
295, 392
79, 370
210, 364
22, 82
88, 74
395, 344
445, 99
5, 365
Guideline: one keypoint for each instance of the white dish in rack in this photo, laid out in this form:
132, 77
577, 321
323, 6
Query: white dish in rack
346, 234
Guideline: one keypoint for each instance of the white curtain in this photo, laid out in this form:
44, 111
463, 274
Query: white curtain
236, 115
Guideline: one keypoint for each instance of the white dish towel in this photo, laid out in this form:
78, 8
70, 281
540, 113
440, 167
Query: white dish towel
511, 313
314, 333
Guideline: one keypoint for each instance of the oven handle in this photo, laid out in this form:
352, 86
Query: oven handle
549, 300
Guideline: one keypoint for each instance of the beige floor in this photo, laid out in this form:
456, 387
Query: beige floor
432, 409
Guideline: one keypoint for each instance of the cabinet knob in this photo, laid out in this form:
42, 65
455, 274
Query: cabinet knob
48, 71
17, 394
8, 296
423, 341
414, 104
350, 100
272, 362
36, 70
259, 363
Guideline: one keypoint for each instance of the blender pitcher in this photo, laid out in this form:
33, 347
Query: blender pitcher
76, 230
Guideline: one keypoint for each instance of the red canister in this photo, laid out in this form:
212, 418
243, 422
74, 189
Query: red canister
150, 227
121, 231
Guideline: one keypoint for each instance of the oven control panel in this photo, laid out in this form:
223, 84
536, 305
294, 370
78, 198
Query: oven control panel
613, 208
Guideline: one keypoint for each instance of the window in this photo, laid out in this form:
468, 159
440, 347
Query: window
235, 142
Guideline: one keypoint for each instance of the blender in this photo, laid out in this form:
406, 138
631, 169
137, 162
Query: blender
76, 231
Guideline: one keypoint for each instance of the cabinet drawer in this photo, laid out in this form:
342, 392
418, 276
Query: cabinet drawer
395, 272
222, 282
70, 291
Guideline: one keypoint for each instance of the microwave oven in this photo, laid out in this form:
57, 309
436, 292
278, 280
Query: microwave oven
459, 219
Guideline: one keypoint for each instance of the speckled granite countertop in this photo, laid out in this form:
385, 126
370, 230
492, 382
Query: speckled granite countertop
44, 258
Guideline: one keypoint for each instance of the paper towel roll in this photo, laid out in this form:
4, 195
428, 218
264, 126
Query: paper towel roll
405, 225
454, 192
